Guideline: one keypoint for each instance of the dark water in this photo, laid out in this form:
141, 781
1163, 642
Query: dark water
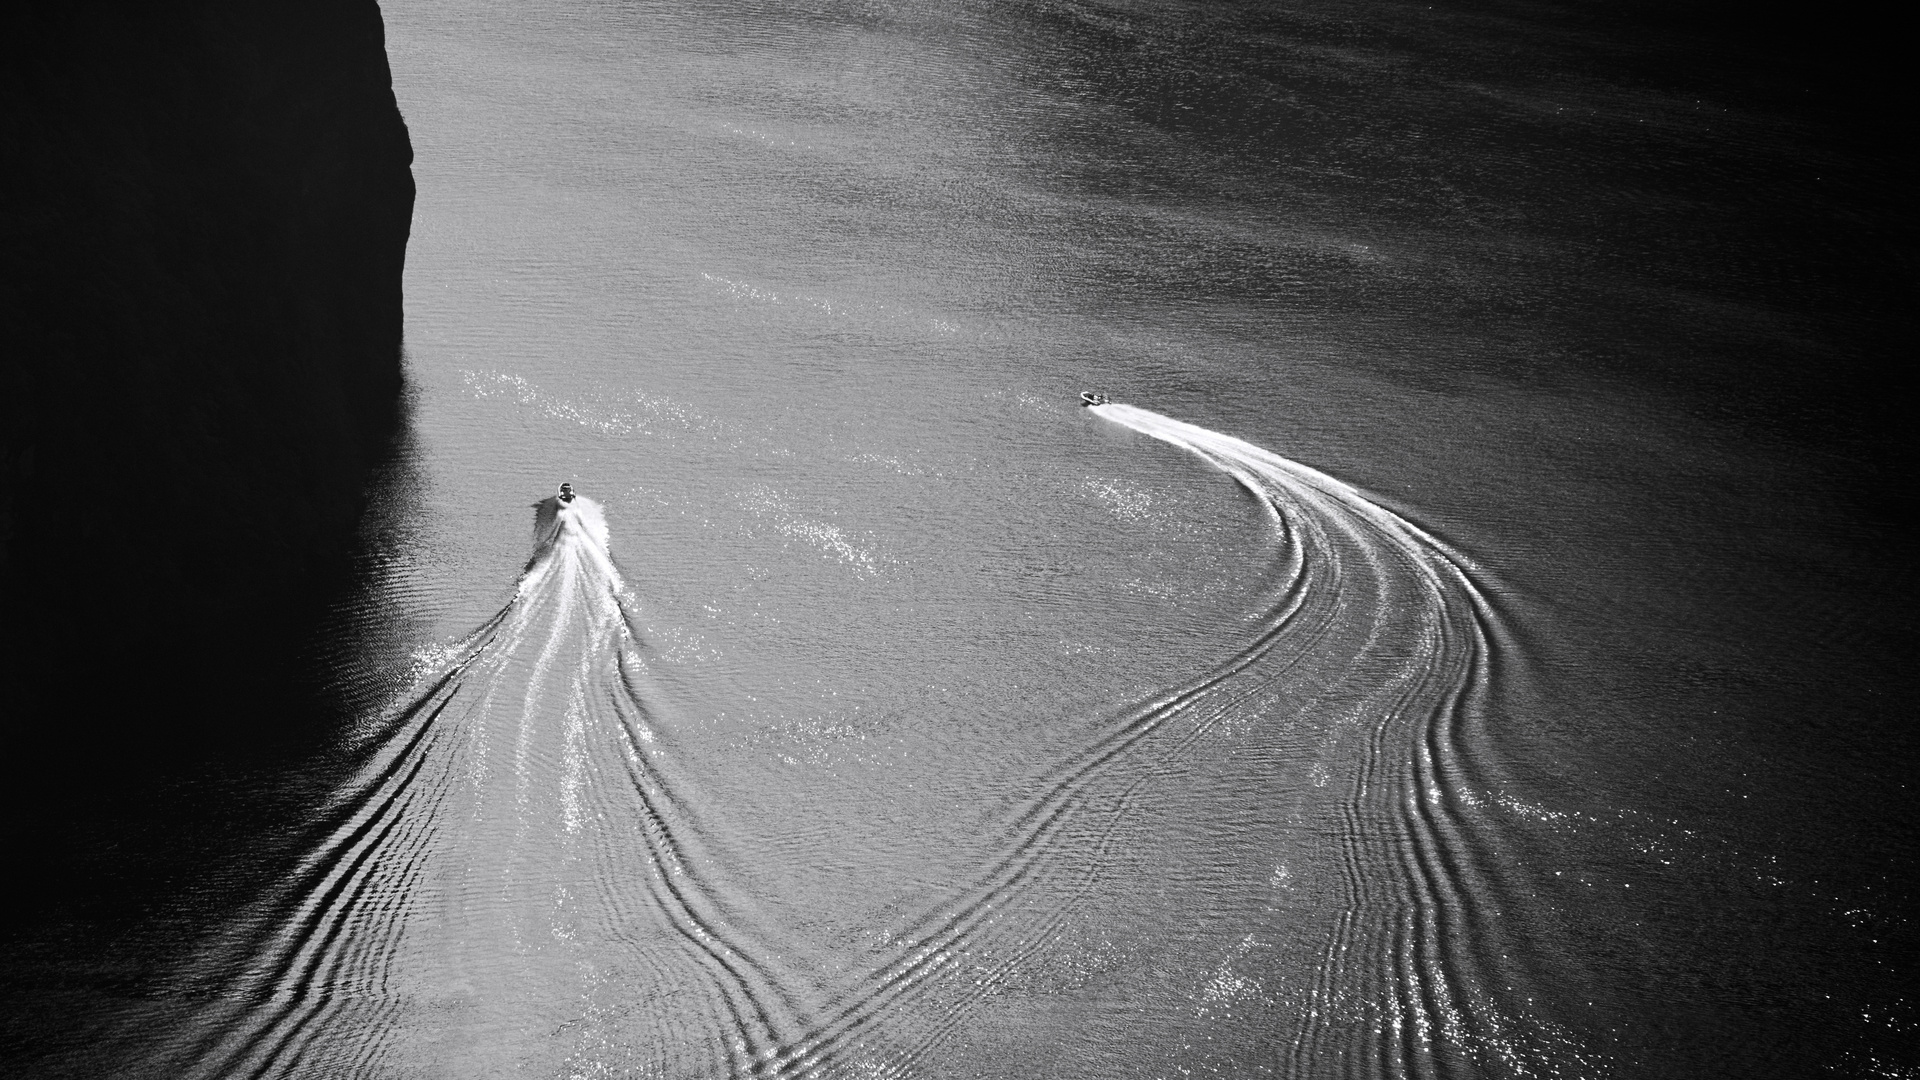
1473, 643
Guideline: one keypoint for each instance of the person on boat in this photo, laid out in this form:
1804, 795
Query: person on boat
566, 493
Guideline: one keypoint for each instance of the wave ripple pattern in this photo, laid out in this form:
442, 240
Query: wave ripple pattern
509, 880
1384, 653
521, 882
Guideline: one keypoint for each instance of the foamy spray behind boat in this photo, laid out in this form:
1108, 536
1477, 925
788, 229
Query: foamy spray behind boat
511, 864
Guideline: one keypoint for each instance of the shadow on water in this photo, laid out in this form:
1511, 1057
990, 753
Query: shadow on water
133, 853
208, 211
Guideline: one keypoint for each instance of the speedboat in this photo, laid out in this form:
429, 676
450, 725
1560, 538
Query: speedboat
1089, 398
566, 493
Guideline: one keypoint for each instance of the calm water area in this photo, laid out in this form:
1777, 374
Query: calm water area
1459, 650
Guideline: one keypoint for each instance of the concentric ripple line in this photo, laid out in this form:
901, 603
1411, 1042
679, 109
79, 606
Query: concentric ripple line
1408, 788
1417, 776
930, 942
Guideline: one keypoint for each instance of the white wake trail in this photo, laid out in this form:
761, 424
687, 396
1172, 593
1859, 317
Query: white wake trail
1441, 1000
510, 872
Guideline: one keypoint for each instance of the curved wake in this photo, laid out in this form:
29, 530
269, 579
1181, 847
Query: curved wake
519, 881
1380, 651
1444, 993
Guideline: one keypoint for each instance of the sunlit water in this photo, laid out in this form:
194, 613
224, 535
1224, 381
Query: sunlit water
1358, 695
533, 874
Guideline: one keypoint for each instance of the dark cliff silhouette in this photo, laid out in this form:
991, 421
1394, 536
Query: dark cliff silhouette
206, 214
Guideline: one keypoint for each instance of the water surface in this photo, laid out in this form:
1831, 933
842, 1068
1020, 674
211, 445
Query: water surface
1452, 655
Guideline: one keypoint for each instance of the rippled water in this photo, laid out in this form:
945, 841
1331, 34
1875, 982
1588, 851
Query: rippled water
1445, 658
538, 870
